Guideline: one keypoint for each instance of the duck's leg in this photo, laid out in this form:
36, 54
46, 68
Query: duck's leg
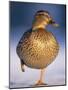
40, 81
22, 65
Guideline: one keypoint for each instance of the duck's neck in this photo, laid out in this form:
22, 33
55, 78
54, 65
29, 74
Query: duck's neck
38, 25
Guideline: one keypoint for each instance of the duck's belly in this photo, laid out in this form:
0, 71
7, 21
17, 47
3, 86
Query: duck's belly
39, 53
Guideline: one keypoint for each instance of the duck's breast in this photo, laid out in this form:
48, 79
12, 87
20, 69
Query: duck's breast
39, 49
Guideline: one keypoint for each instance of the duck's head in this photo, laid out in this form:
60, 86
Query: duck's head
42, 19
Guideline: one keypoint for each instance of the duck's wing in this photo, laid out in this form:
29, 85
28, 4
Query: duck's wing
18, 48
25, 35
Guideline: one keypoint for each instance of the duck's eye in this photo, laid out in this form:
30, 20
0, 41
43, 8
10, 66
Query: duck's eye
51, 21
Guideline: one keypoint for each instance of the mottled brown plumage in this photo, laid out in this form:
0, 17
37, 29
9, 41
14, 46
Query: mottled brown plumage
38, 47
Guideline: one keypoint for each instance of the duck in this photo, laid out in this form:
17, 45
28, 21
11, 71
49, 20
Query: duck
38, 47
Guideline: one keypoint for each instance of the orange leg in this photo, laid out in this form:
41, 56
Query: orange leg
40, 81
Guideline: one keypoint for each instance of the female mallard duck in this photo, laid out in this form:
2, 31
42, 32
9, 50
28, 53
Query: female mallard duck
38, 47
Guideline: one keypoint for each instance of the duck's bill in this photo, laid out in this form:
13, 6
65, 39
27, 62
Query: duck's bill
55, 25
